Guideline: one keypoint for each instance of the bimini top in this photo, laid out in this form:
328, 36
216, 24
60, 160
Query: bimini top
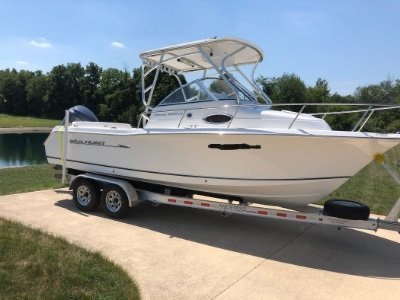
195, 56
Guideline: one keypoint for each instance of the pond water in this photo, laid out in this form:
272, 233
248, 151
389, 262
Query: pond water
22, 149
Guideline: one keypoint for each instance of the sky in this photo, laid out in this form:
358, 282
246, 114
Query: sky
349, 43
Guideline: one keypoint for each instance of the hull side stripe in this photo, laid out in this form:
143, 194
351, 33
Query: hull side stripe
206, 177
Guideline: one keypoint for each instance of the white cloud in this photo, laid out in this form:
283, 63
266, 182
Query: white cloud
117, 45
22, 62
40, 43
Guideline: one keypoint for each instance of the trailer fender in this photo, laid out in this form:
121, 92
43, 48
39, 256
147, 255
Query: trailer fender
130, 191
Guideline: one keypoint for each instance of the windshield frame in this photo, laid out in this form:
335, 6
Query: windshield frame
247, 96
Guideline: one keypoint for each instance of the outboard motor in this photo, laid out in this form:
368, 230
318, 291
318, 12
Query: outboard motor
80, 113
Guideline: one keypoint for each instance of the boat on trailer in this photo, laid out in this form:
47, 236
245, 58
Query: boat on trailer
219, 134
218, 137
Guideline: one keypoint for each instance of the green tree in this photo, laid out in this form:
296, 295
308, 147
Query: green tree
37, 88
90, 86
319, 92
118, 95
289, 88
344, 121
8, 90
65, 89
12, 91
385, 92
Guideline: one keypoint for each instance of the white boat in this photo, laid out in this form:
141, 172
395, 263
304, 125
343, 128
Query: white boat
221, 136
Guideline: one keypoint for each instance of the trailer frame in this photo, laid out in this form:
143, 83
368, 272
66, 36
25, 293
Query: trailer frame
226, 207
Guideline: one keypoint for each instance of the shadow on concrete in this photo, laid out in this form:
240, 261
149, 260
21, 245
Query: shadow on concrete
63, 191
69, 204
321, 247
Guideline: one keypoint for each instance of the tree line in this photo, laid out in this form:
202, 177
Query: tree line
113, 94
290, 88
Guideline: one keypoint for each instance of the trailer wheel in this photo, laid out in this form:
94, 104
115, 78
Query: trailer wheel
115, 201
346, 209
86, 194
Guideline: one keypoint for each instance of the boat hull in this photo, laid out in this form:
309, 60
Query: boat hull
288, 168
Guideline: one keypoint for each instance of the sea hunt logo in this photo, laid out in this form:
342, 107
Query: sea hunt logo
90, 143
94, 143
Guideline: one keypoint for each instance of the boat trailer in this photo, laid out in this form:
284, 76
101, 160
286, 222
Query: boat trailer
118, 195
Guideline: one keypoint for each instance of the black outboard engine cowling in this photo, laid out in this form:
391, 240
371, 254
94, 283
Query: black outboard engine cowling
80, 113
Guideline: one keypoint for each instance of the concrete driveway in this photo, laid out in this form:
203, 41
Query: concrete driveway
182, 253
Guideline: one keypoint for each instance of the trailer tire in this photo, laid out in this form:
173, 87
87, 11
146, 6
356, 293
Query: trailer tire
114, 201
346, 209
86, 194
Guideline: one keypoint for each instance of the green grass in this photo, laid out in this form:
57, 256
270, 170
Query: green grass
7, 121
35, 265
373, 186
27, 179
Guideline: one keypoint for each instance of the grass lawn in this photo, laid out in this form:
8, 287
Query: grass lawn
373, 186
7, 121
35, 265
27, 179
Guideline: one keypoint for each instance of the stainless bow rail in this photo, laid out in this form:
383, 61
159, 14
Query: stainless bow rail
368, 111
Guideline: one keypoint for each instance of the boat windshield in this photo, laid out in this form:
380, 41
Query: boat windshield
209, 89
